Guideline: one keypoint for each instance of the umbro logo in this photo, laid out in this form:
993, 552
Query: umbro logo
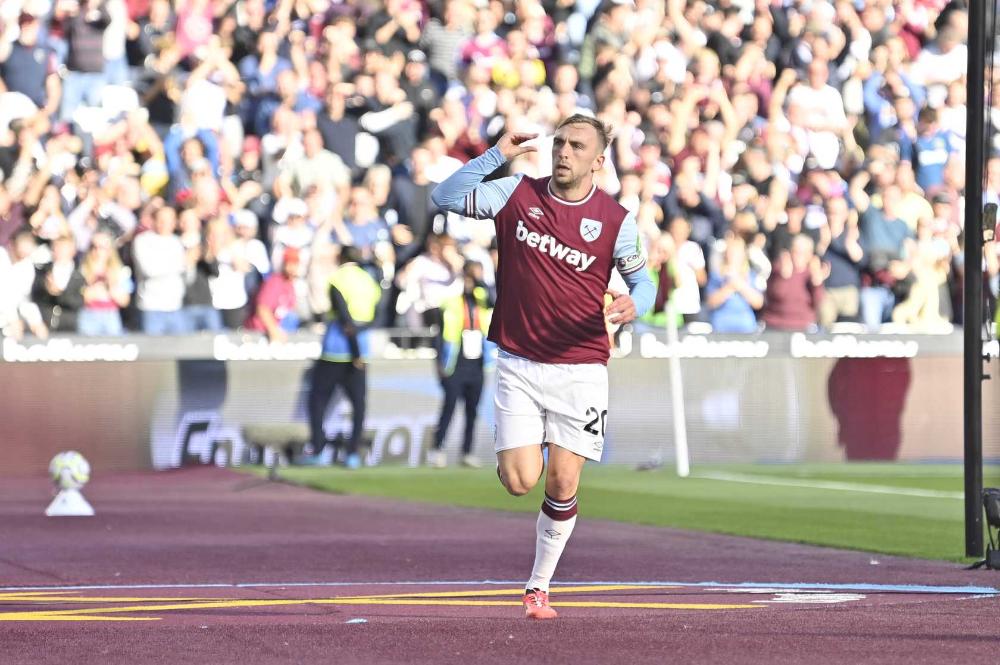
553, 534
535, 213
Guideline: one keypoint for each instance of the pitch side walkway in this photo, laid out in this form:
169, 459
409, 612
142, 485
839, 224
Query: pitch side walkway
205, 565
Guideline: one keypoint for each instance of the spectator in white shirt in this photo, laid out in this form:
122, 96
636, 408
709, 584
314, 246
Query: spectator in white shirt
160, 268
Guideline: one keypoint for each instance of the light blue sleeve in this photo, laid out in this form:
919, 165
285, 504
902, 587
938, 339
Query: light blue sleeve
630, 259
465, 193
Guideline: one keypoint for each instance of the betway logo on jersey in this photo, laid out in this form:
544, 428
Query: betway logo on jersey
546, 244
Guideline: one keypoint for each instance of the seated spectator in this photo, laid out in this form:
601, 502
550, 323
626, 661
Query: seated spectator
161, 264
275, 308
795, 288
731, 297
107, 288
58, 288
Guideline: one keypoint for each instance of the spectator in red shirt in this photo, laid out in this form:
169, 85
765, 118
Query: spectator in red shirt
795, 287
275, 311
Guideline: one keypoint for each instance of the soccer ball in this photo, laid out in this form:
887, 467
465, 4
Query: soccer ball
69, 470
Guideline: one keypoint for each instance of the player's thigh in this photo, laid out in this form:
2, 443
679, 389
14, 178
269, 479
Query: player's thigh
576, 409
520, 419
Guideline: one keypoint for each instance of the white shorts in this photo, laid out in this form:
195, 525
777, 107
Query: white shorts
566, 405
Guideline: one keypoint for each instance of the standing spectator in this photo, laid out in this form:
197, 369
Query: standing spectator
246, 224
705, 218
397, 26
795, 288
354, 297
17, 275
431, 278
113, 43
58, 288
412, 189
464, 354
260, 72
227, 273
11, 215
442, 39
689, 269
369, 234
85, 22
931, 151
819, 107
484, 48
844, 255
662, 267
107, 288
30, 67
199, 312
276, 306
927, 306
160, 268
316, 166
419, 90
731, 295
185, 148
884, 238
293, 230
338, 128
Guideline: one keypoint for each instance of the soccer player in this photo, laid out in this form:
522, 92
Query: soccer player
558, 239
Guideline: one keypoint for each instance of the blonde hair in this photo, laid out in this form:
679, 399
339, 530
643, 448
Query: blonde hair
604, 132
89, 268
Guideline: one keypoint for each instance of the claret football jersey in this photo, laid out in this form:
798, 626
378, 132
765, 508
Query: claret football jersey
556, 258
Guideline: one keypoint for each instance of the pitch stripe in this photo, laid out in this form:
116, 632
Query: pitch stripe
638, 584
837, 486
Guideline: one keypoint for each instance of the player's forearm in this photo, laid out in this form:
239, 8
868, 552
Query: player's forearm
642, 290
450, 194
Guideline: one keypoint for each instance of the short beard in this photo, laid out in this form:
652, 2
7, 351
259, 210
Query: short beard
566, 181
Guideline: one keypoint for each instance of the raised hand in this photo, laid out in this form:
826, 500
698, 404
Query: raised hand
511, 144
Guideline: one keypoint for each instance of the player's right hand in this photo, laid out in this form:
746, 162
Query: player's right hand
511, 144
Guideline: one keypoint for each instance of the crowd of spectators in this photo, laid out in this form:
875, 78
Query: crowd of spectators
169, 166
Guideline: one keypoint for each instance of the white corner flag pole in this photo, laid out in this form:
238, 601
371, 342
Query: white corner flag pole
677, 395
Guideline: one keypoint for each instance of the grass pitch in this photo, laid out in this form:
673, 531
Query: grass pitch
904, 509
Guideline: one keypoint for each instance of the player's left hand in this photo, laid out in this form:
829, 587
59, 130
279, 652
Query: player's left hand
621, 309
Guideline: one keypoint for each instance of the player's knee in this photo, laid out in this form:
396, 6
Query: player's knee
561, 486
517, 486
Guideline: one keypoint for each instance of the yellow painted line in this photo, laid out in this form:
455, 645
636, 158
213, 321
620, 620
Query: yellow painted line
513, 592
427, 599
517, 603
43, 616
103, 599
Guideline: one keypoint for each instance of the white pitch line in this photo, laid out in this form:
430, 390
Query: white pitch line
735, 587
750, 479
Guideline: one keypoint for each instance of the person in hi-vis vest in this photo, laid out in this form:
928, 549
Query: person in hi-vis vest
464, 354
354, 296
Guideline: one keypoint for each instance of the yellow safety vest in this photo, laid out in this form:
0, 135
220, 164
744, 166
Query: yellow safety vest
361, 292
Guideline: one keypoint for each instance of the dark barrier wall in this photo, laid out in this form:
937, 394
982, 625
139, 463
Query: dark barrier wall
745, 400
